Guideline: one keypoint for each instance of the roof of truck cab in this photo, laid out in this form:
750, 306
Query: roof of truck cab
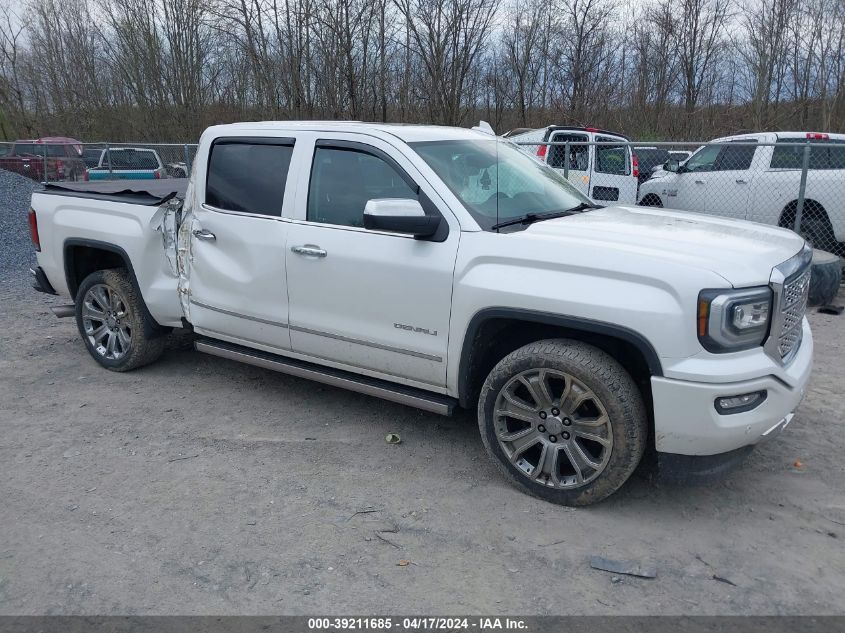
407, 132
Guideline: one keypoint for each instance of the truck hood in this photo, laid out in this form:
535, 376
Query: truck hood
741, 252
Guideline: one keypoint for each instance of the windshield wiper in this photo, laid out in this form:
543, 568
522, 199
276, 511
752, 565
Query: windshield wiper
530, 218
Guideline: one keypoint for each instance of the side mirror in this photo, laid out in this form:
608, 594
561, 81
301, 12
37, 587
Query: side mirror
672, 165
399, 215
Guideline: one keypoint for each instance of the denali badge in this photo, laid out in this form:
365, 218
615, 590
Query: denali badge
411, 328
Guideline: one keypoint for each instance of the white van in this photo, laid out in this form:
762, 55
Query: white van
605, 173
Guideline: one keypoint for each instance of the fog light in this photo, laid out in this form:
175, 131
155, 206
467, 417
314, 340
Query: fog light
738, 404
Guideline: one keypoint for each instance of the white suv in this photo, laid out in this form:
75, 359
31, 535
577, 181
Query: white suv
757, 177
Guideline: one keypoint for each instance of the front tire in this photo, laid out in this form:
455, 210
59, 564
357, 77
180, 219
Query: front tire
563, 421
111, 319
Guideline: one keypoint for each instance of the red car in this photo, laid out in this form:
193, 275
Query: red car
56, 157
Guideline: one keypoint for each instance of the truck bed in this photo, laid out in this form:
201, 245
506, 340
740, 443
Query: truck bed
145, 192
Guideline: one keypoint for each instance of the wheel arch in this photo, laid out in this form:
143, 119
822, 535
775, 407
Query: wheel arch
85, 256
493, 333
811, 207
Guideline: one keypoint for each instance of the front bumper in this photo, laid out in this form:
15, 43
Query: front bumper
686, 421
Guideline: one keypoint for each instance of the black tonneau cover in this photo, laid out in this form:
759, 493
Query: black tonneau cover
147, 192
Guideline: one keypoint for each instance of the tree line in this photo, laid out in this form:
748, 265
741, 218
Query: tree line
163, 70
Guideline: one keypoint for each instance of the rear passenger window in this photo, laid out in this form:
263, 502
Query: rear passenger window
343, 180
735, 157
248, 176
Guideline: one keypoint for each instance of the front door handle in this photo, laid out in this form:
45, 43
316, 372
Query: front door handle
309, 250
699, 182
740, 181
205, 235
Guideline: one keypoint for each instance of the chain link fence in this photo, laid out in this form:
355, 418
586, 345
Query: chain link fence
58, 160
794, 181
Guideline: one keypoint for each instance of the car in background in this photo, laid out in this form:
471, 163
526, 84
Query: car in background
757, 177
50, 159
649, 159
128, 163
600, 169
91, 156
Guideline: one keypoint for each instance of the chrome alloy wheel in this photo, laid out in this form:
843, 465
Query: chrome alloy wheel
106, 323
553, 428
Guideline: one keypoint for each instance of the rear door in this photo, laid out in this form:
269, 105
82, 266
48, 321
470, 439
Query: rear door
612, 179
574, 160
238, 277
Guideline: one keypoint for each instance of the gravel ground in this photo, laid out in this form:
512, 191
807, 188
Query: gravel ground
16, 255
201, 486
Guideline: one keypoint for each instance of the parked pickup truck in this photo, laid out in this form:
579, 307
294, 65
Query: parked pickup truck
128, 163
443, 268
51, 159
758, 177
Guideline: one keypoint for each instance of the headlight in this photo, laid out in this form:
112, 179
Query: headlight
733, 320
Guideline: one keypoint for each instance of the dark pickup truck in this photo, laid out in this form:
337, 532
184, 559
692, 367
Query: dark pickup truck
49, 159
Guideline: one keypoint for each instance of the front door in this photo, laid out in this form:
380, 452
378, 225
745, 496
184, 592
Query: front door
367, 300
237, 277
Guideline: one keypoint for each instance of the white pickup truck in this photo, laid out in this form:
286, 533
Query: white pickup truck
442, 268
757, 177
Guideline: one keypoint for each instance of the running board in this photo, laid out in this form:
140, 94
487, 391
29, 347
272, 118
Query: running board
435, 403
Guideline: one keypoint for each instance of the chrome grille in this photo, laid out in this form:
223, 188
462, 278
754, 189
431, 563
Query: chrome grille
793, 304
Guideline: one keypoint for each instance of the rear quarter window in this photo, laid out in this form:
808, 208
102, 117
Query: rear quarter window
248, 176
827, 154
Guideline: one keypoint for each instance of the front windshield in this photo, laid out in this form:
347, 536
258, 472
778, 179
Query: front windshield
496, 181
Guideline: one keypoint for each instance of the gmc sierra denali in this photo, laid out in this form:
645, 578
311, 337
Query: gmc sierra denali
441, 268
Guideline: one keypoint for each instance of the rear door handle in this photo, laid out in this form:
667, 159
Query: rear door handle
309, 250
740, 181
699, 182
205, 235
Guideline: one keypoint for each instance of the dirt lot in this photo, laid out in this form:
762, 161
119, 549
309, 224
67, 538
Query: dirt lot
199, 485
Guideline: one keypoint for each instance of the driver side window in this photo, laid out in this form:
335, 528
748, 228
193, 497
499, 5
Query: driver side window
343, 181
703, 160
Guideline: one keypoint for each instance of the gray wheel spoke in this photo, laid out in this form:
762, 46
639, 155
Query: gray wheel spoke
548, 462
517, 412
536, 395
592, 437
597, 423
123, 339
541, 462
540, 389
110, 341
582, 454
516, 435
89, 311
101, 295
518, 403
579, 474
523, 444
99, 333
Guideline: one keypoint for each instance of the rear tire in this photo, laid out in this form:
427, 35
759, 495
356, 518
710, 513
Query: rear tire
112, 322
563, 421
